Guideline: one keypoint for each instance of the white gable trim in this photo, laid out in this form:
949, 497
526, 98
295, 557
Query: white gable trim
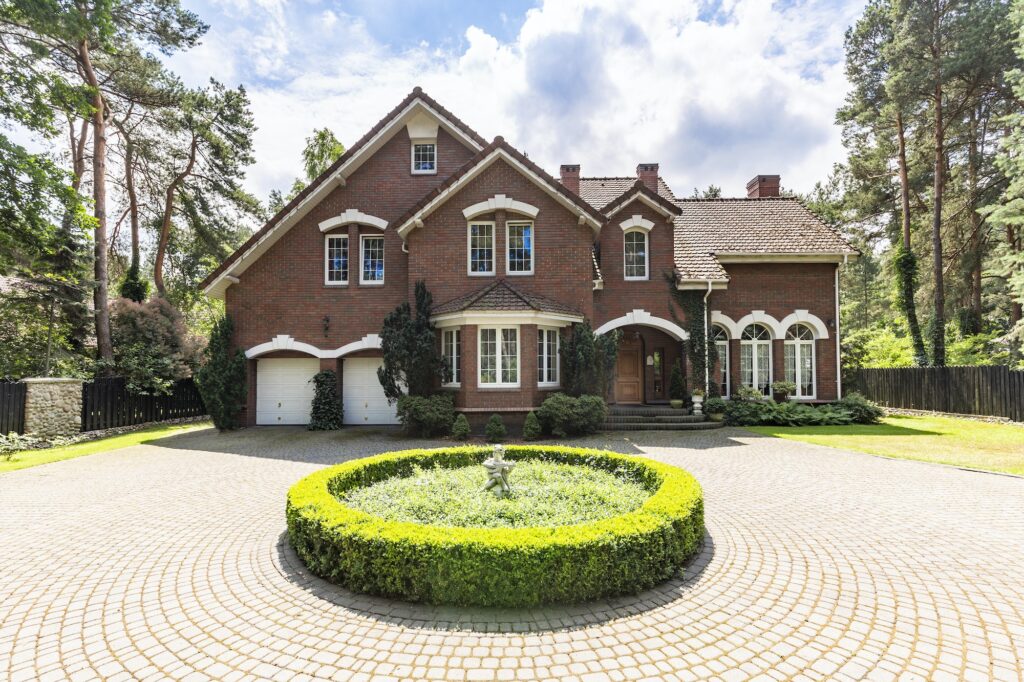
643, 198
485, 163
500, 202
642, 317
637, 222
812, 321
285, 342
417, 106
352, 215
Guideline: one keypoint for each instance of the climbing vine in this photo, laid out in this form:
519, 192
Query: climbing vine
699, 352
905, 264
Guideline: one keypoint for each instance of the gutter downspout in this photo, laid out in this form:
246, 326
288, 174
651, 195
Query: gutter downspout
707, 351
839, 354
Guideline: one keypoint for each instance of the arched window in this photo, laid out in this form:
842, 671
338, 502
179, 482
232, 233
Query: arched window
756, 358
799, 351
721, 340
635, 254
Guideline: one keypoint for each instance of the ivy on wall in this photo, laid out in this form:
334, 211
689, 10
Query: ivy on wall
700, 354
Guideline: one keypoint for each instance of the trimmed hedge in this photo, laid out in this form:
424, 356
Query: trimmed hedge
495, 566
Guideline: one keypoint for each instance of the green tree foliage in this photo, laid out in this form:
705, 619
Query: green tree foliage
133, 287
152, 346
221, 378
321, 150
588, 360
495, 430
327, 414
460, 428
412, 357
426, 415
531, 427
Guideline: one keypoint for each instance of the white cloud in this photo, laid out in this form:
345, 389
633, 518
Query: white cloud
714, 96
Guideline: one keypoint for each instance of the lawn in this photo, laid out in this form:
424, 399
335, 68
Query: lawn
945, 440
31, 458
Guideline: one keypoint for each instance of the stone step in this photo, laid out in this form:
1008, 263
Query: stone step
660, 426
646, 410
679, 417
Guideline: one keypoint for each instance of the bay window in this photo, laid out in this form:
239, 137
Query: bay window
799, 357
451, 351
547, 357
756, 358
498, 355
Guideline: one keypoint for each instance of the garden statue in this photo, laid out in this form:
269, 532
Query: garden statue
497, 472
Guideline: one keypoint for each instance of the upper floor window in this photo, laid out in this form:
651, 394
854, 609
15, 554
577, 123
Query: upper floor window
519, 241
547, 357
756, 358
635, 254
499, 356
336, 259
721, 340
373, 260
424, 158
451, 351
799, 357
481, 248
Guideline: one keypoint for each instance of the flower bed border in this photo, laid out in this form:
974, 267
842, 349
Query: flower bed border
516, 567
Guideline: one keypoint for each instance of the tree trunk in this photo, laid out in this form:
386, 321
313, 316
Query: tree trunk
907, 274
99, 193
133, 200
165, 224
975, 223
938, 331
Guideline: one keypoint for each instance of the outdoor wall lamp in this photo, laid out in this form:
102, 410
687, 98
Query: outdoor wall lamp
327, 324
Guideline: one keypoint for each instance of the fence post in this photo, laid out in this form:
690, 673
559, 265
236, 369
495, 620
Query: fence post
53, 406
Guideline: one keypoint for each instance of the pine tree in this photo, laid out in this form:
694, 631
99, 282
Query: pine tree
412, 358
221, 379
326, 414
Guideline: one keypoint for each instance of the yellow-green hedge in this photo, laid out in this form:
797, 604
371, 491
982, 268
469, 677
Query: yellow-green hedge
495, 566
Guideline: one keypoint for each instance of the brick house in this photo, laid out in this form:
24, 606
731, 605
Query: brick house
513, 258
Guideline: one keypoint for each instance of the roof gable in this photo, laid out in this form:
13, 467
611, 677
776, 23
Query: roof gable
412, 109
502, 296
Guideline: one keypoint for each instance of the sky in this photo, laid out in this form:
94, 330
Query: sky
716, 92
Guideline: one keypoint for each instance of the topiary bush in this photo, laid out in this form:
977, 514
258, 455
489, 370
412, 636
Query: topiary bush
862, 410
426, 416
495, 430
714, 405
506, 567
531, 427
460, 428
561, 415
221, 378
327, 411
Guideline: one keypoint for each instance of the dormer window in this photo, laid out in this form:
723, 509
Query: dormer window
424, 157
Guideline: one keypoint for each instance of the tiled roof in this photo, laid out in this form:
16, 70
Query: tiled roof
502, 296
639, 188
600, 192
771, 225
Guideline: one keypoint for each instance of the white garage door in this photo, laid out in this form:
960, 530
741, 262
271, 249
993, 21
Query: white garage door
363, 395
284, 392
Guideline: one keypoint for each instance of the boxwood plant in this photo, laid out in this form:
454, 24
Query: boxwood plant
518, 567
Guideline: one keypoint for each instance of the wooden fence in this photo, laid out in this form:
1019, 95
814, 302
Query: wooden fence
12, 407
107, 403
993, 391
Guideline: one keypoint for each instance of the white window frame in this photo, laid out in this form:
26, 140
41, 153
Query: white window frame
557, 357
327, 261
469, 248
412, 156
362, 260
497, 357
456, 358
797, 343
508, 248
647, 255
752, 344
723, 359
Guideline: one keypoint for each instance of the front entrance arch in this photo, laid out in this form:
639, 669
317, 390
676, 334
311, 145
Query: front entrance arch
643, 318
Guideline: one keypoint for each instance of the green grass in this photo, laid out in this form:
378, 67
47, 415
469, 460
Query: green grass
543, 494
945, 440
31, 458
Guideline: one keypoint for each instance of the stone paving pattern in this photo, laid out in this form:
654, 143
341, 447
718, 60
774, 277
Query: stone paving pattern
168, 561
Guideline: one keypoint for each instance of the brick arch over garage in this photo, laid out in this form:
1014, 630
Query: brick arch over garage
285, 342
644, 318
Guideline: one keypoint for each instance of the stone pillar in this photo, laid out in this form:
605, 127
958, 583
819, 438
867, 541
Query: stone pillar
53, 406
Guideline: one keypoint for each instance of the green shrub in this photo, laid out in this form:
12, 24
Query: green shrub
561, 415
714, 405
326, 414
676, 384
460, 429
862, 410
531, 427
746, 412
517, 567
426, 416
221, 379
749, 393
764, 413
495, 429
787, 387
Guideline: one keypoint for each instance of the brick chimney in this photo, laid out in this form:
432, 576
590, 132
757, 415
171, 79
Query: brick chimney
648, 174
763, 186
569, 174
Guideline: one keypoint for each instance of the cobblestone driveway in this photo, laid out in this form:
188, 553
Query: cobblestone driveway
166, 561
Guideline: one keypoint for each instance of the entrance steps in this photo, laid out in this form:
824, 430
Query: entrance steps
654, 418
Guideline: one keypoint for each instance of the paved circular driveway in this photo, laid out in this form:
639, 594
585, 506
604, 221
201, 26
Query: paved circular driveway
167, 561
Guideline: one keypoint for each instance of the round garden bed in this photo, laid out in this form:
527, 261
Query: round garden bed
579, 525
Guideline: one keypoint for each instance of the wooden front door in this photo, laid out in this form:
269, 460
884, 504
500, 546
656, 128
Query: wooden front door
629, 373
